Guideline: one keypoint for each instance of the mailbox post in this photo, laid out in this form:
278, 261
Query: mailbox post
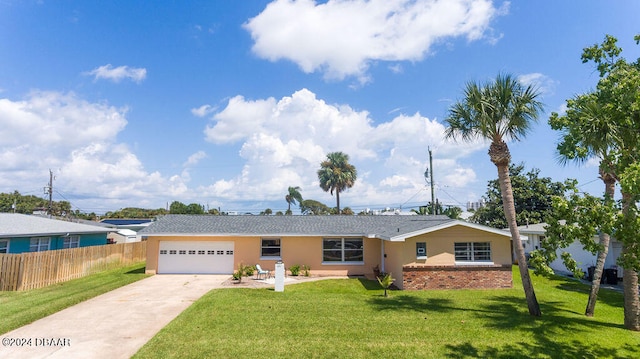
279, 277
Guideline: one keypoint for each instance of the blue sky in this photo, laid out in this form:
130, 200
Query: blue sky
228, 103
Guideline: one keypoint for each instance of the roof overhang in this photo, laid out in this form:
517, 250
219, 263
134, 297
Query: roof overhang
404, 236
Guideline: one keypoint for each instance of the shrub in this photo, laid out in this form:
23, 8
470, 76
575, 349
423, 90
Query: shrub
242, 269
249, 270
237, 276
306, 270
295, 270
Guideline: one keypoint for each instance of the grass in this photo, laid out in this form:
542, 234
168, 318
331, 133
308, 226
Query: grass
350, 318
21, 308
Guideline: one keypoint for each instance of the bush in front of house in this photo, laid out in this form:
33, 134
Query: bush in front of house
295, 270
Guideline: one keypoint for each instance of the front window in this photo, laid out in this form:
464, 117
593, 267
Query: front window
341, 250
71, 242
472, 251
4, 246
39, 244
270, 247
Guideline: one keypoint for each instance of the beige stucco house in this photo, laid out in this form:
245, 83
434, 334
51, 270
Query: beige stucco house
421, 252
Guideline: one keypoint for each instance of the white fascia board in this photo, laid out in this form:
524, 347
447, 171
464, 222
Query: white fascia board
445, 225
270, 235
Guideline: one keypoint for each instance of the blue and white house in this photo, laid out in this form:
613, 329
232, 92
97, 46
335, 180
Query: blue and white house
27, 233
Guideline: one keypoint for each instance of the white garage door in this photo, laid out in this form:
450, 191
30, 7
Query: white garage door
178, 257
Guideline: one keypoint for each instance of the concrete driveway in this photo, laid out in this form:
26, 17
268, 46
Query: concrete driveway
113, 325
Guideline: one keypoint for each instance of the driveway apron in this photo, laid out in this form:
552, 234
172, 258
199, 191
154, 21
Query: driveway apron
113, 325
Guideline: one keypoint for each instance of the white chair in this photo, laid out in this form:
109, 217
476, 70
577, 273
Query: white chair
262, 272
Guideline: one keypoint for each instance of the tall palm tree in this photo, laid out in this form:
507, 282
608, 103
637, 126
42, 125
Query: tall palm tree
293, 197
336, 174
499, 111
588, 132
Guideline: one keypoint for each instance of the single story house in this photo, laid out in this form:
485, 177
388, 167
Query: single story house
421, 252
134, 224
123, 236
536, 233
28, 233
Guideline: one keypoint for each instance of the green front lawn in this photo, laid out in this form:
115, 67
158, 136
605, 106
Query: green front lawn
21, 308
351, 319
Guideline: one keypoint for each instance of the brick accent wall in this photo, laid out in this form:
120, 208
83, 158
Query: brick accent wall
415, 277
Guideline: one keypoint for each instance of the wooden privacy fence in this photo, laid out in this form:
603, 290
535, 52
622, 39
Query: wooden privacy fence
39, 269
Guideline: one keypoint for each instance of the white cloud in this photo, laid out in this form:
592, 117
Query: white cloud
283, 142
117, 74
342, 38
77, 140
195, 158
544, 84
203, 110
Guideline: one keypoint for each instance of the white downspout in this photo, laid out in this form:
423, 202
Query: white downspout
382, 269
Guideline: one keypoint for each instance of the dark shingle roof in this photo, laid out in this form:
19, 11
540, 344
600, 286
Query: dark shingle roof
385, 227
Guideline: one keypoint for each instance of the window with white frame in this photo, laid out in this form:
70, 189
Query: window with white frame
472, 251
4, 246
421, 250
71, 242
270, 247
39, 244
343, 250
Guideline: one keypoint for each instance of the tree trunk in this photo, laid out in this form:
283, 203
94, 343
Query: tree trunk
631, 303
609, 190
630, 278
338, 200
501, 160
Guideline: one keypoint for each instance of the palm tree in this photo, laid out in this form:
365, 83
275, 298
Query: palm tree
336, 174
588, 132
385, 282
499, 111
293, 197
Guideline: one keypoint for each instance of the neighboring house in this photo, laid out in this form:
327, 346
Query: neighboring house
123, 236
421, 252
126, 229
536, 233
133, 224
27, 233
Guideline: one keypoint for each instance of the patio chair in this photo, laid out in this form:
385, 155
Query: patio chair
262, 272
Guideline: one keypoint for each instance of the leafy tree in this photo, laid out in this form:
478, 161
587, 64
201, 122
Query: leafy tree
23, 204
347, 211
134, 212
588, 131
177, 207
427, 210
453, 212
498, 111
266, 212
422, 210
618, 94
604, 124
531, 196
310, 206
195, 208
293, 197
336, 174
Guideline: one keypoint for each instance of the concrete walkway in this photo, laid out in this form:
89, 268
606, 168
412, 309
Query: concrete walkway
114, 325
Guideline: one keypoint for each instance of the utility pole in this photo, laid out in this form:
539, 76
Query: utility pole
49, 190
428, 176
433, 203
